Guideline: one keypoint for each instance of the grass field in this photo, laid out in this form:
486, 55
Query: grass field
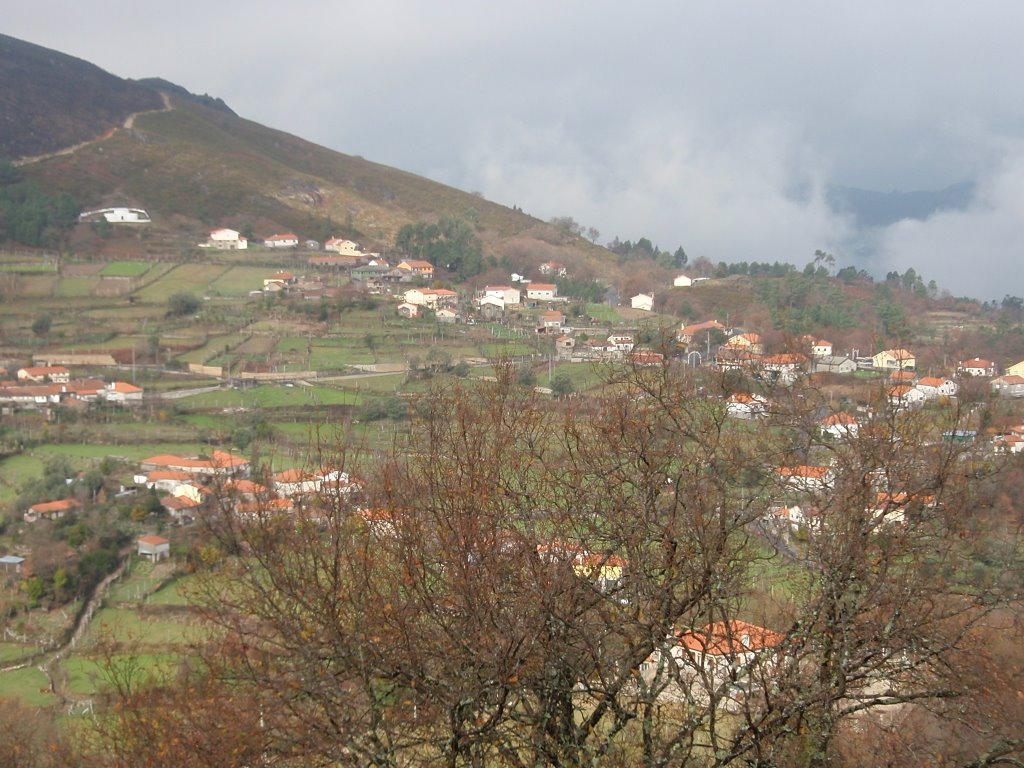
87, 675
189, 278
71, 287
128, 625
271, 396
38, 286
125, 269
28, 685
14, 471
238, 281
175, 593
28, 268
214, 346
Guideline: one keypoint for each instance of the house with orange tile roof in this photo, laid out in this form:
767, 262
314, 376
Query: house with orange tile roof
976, 366
784, 368
746, 405
807, 478
839, 425
432, 298
217, 464
342, 246
226, 240
821, 348
689, 333
51, 510
748, 342
1008, 385
416, 268
894, 360
904, 396
154, 548
721, 663
934, 387
122, 392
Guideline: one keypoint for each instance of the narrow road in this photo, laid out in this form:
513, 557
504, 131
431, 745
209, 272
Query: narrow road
129, 123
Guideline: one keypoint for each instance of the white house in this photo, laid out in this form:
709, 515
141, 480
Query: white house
541, 291
1008, 385
434, 298
720, 662
904, 396
976, 366
622, 342
288, 240
154, 547
551, 321
226, 240
784, 368
821, 348
894, 360
839, 425
341, 246
506, 293
117, 215
682, 281
644, 301
933, 387
122, 392
834, 364
744, 405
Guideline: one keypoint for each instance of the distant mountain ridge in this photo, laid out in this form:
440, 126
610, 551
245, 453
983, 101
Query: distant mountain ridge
870, 208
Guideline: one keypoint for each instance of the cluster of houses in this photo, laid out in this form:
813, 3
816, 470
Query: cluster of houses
190, 483
38, 387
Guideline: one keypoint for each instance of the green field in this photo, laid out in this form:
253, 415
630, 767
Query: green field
127, 625
271, 396
29, 685
214, 346
72, 287
28, 268
38, 286
125, 269
238, 281
88, 676
14, 471
188, 278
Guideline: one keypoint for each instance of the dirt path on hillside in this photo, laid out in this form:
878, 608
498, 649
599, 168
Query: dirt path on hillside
129, 123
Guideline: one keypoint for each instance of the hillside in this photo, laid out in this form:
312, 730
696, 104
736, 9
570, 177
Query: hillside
49, 100
194, 164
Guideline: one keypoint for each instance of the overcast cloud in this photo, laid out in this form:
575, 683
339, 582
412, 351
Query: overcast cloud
712, 125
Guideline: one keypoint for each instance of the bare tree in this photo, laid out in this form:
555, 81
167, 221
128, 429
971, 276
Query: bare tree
531, 583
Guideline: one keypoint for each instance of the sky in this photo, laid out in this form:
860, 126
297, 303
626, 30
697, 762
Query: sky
711, 124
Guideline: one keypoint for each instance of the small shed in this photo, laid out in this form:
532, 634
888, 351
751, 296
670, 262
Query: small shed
11, 564
154, 548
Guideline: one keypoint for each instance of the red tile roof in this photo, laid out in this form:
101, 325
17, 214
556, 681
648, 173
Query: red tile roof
725, 638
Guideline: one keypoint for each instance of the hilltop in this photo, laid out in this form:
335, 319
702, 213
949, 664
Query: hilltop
49, 100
